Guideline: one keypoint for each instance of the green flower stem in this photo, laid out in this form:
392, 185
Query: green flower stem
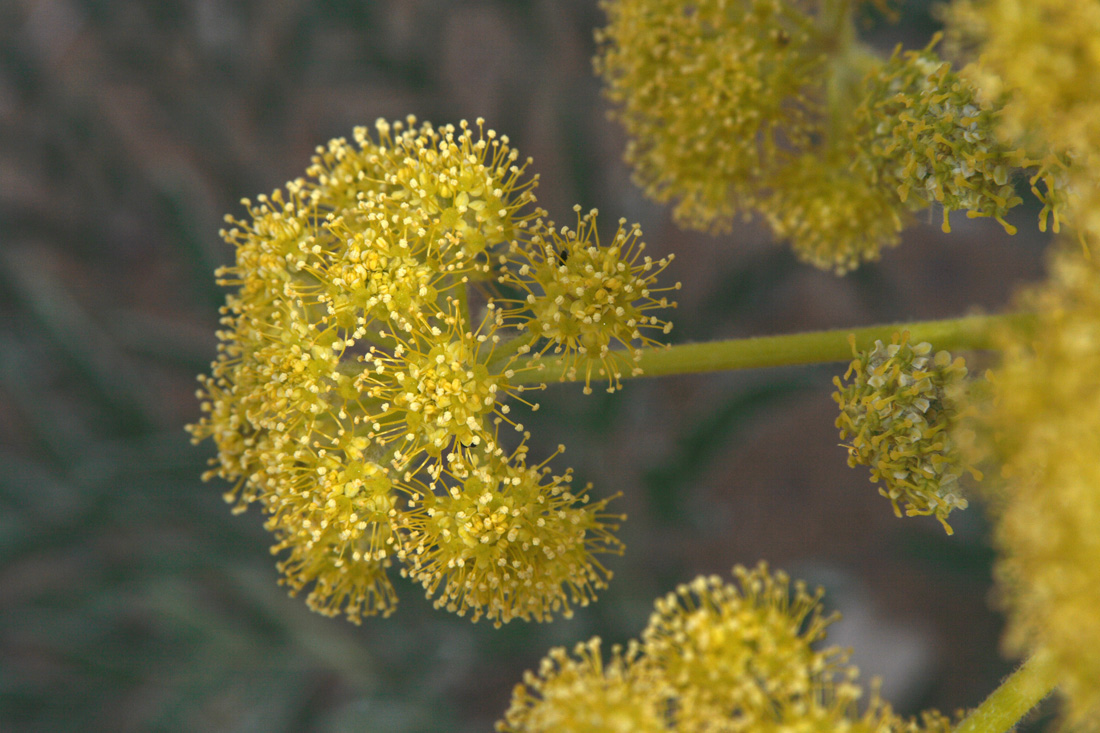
1020, 692
972, 332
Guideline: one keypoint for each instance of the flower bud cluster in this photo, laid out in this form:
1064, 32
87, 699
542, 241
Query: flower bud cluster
929, 139
714, 656
357, 396
1045, 419
899, 414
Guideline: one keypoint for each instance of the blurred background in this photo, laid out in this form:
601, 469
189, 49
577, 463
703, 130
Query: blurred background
132, 600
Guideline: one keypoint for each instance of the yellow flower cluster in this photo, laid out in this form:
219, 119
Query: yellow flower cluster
836, 216
582, 297
772, 107
504, 542
711, 94
1046, 419
357, 394
899, 412
715, 656
583, 694
1039, 59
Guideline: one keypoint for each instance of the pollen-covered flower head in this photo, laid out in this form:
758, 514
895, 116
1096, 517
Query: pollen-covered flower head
334, 490
389, 279
433, 390
505, 540
331, 509
589, 302
899, 413
716, 656
835, 216
710, 93
354, 368
930, 139
466, 191
745, 653
340, 575
580, 693
1046, 419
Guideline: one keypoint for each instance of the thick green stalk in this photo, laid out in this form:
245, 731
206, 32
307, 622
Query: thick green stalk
972, 332
1020, 692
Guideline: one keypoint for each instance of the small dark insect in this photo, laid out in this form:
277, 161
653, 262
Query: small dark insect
563, 255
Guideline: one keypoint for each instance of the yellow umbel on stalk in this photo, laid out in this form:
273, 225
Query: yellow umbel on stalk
358, 396
715, 656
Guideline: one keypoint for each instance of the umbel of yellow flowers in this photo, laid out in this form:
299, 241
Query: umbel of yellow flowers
715, 656
710, 94
359, 391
